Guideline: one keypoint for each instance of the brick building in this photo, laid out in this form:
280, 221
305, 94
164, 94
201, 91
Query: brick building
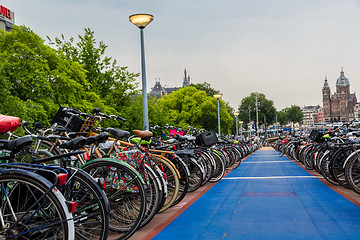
339, 106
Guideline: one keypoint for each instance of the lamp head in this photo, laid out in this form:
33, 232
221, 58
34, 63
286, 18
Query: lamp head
141, 20
236, 113
218, 95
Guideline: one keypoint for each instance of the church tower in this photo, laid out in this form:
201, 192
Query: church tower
186, 80
326, 101
343, 92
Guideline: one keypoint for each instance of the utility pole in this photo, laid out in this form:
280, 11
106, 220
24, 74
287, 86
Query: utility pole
277, 133
249, 122
265, 127
257, 115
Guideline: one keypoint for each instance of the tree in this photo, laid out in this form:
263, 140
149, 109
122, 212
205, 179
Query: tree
190, 107
282, 117
206, 87
267, 111
35, 79
114, 84
294, 113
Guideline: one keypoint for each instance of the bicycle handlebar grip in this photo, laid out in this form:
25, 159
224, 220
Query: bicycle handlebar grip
121, 118
103, 115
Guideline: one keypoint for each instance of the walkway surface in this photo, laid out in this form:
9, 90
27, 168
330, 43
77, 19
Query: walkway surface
267, 197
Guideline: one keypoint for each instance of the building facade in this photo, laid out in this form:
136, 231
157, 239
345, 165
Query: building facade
158, 90
312, 114
339, 106
7, 18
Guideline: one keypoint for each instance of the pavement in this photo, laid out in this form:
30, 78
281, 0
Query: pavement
266, 197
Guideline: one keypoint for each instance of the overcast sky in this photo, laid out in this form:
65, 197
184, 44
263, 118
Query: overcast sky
282, 48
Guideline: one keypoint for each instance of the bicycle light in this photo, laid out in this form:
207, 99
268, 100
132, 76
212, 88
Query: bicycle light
101, 182
71, 206
62, 178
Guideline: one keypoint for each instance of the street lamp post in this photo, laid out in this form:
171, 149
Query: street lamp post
257, 115
237, 128
218, 96
141, 21
241, 128
249, 122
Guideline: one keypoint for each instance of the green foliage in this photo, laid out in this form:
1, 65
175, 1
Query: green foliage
35, 79
206, 87
293, 113
113, 84
191, 107
282, 118
267, 111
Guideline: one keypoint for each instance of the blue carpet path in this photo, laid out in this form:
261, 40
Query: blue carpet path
267, 197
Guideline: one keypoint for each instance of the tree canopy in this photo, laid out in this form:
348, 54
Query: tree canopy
37, 79
206, 87
266, 109
191, 107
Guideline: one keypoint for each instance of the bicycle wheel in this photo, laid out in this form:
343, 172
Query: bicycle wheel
29, 210
172, 180
325, 169
205, 162
337, 169
153, 194
91, 217
196, 175
238, 155
125, 192
220, 167
352, 171
184, 178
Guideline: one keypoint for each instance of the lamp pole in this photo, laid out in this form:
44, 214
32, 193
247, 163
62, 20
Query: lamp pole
257, 115
218, 96
141, 21
241, 130
237, 128
249, 122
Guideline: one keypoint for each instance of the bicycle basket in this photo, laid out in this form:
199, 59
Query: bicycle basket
206, 139
316, 135
72, 124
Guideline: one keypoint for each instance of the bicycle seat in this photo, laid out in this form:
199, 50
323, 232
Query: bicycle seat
143, 134
102, 137
181, 138
118, 133
74, 144
184, 152
13, 145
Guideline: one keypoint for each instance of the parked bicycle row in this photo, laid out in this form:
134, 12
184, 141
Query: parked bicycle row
333, 154
109, 180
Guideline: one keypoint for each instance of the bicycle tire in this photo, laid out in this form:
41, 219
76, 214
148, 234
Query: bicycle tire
184, 179
91, 217
153, 195
32, 197
220, 168
352, 171
196, 175
125, 192
173, 184
337, 161
325, 171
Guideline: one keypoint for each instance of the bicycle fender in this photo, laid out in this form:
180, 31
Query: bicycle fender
116, 161
350, 156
